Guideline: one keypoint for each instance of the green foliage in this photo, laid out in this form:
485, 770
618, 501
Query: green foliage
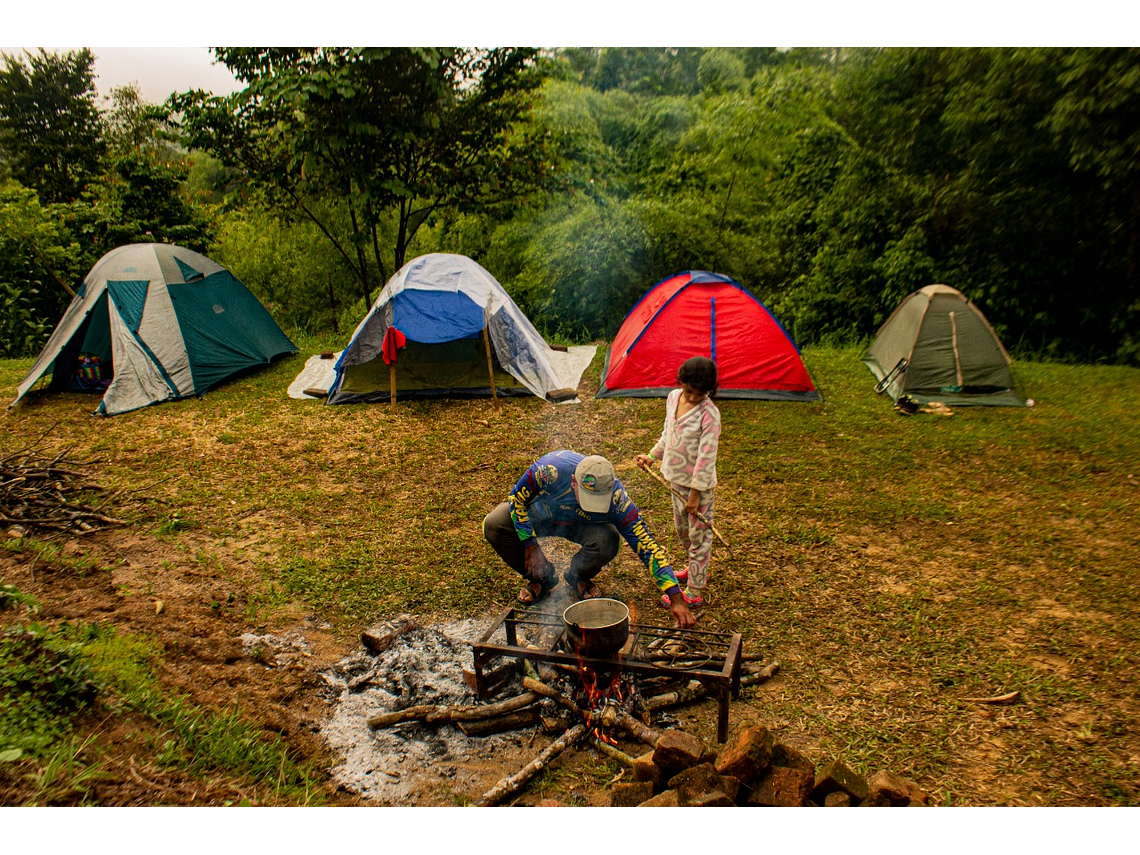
44, 680
140, 200
344, 136
49, 123
38, 258
591, 262
1002, 178
289, 266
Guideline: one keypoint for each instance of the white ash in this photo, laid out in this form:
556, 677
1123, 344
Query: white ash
276, 650
401, 763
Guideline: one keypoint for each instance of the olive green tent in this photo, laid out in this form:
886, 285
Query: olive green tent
937, 346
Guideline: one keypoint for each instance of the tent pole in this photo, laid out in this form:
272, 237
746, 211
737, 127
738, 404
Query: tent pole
490, 366
392, 383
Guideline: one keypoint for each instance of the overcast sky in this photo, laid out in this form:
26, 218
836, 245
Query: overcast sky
158, 71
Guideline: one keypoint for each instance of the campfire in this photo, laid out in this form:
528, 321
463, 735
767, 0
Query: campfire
589, 674
533, 673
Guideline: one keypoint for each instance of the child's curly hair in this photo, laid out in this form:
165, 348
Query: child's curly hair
700, 373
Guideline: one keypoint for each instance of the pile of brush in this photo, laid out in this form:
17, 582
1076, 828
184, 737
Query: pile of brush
51, 494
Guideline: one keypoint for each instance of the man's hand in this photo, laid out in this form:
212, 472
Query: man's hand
682, 617
538, 566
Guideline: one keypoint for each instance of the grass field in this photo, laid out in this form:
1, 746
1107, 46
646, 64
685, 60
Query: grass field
894, 566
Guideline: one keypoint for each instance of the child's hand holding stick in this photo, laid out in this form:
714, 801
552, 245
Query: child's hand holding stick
648, 467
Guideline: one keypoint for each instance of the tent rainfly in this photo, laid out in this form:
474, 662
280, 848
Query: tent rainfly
697, 313
937, 346
152, 323
444, 327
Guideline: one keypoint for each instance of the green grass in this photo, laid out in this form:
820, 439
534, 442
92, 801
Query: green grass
51, 678
892, 565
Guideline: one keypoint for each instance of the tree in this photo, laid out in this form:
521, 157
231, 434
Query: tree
347, 137
49, 122
38, 261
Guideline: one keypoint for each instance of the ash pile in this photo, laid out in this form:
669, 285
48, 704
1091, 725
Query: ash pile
401, 665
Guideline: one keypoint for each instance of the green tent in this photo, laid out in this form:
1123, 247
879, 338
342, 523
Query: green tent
155, 322
937, 346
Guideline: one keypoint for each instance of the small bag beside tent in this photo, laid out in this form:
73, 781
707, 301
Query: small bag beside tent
697, 313
937, 346
156, 322
426, 336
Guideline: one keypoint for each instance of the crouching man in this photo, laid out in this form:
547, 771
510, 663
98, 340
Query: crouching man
566, 494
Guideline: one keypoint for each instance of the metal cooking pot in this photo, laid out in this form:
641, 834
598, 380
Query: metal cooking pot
597, 628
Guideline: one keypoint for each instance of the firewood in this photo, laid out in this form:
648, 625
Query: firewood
533, 685
512, 784
696, 689
527, 717
636, 729
434, 714
38, 492
613, 751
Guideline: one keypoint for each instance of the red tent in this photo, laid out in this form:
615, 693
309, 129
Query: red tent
697, 313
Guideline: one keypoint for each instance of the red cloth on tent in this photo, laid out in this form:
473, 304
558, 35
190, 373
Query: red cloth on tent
394, 341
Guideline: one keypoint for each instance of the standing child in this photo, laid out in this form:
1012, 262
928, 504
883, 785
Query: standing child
687, 453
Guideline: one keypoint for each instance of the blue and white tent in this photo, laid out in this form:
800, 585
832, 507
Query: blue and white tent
427, 332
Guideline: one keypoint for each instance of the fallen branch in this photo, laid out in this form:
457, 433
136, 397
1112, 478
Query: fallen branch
512, 784
1010, 698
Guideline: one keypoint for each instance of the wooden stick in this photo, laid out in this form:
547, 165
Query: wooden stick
432, 713
517, 720
613, 751
512, 784
1000, 700
490, 365
636, 729
541, 688
696, 689
392, 383
657, 476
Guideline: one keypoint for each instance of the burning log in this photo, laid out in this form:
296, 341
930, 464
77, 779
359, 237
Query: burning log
537, 686
512, 784
433, 714
637, 729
